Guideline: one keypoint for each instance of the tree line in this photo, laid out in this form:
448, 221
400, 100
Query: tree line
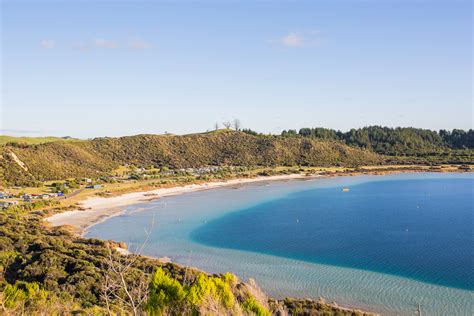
393, 141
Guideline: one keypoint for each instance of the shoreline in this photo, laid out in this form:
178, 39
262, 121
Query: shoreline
95, 210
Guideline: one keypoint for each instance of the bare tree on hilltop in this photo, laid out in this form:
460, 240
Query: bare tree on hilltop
237, 124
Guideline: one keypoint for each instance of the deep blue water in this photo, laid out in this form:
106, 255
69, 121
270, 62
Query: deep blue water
421, 229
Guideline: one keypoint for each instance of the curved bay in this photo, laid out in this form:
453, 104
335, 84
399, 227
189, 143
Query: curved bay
181, 220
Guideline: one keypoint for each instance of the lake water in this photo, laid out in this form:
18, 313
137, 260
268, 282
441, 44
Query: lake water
386, 245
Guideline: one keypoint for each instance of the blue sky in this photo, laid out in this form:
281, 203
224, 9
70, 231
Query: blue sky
111, 68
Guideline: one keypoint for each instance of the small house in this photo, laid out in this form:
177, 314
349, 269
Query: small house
95, 186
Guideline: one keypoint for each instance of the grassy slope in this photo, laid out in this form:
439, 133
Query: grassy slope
60, 160
4, 139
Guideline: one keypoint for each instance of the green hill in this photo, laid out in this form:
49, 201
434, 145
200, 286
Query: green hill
400, 141
4, 139
23, 164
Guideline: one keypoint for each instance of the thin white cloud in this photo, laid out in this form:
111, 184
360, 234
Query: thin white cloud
138, 44
299, 39
293, 40
102, 43
47, 44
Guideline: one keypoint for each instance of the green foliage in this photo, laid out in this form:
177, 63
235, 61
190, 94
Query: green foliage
23, 292
6, 255
420, 145
458, 138
62, 265
206, 287
32, 140
229, 278
59, 187
12, 295
73, 183
289, 133
164, 292
394, 141
36, 205
250, 132
251, 305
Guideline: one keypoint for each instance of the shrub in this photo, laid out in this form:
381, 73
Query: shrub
251, 305
164, 292
206, 287
23, 292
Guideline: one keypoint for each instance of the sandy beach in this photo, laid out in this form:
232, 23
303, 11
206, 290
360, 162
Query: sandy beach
97, 209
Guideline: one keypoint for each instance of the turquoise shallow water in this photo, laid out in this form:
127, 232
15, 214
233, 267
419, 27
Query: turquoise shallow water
389, 243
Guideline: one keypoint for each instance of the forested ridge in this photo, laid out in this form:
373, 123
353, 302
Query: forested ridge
404, 141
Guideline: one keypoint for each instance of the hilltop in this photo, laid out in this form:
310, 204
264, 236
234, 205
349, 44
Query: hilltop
5, 139
23, 164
